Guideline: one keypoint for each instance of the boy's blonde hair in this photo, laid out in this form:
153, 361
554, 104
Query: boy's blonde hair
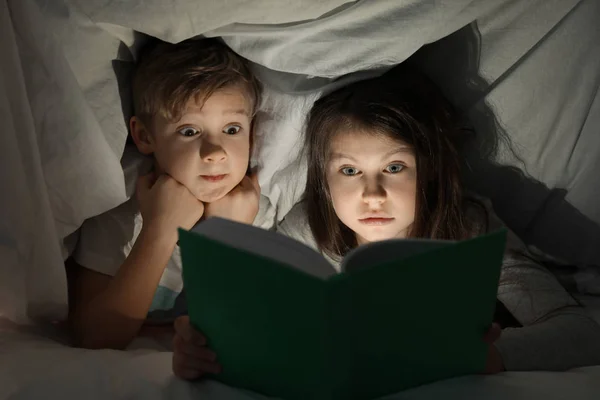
169, 75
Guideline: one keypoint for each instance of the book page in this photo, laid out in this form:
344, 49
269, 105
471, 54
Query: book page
268, 244
388, 250
417, 320
266, 321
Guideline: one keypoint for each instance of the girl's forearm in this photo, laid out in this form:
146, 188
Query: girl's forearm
567, 338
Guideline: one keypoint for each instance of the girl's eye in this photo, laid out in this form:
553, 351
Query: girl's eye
349, 171
394, 168
232, 129
188, 131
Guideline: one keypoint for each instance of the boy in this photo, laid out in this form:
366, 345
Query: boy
194, 104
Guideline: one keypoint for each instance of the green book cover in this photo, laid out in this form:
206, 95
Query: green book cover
283, 323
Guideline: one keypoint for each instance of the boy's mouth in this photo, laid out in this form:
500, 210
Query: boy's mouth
213, 178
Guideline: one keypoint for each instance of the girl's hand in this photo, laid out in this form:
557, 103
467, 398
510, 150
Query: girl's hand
493, 363
240, 205
191, 358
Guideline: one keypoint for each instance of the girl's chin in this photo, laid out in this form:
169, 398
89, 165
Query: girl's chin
374, 238
379, 234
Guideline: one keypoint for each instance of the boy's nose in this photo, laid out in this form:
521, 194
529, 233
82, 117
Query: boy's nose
212, 152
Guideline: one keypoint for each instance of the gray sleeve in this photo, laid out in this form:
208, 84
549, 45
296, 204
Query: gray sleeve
567, 338
557, 333
295, 225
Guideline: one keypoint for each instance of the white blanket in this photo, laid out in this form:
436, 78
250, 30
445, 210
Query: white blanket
535, 64
33, 367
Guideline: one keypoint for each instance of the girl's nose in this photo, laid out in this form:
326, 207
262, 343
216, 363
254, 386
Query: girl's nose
374, 192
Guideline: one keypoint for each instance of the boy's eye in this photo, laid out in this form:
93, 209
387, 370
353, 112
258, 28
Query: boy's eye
232, 129
394, 168
349, 171
188, 131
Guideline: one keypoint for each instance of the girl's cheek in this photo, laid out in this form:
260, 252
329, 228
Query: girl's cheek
344, 197
336, 186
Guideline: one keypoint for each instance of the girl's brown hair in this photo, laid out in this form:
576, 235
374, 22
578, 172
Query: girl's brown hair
403, 105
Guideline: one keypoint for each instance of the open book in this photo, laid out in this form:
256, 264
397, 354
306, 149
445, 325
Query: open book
284, 323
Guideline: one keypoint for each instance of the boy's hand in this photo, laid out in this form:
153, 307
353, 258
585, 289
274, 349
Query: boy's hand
493, 363
191, 358
166, 204
240, 205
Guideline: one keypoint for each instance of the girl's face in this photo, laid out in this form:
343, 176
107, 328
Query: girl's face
373, 181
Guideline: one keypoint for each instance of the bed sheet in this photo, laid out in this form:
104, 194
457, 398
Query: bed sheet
530, 68
34, 365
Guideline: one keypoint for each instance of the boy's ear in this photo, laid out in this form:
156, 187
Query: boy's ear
248, 170
252, 135
141, 136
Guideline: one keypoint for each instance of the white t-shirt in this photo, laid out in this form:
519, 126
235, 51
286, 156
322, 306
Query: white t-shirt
106, 240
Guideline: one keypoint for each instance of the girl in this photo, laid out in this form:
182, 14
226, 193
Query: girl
383, 163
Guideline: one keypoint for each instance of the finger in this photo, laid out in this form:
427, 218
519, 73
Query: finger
492, 334
193, 350
164, 178
250, 183
181, 362
181, 371
184, 328
254, 181
156, 331
187, 373
205, 367
145, 182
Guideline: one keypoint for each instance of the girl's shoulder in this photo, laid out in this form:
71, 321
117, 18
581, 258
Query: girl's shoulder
482, 219
479, 214
295, 225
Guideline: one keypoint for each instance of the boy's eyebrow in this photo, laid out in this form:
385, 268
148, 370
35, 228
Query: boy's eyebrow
229, 111
239, 111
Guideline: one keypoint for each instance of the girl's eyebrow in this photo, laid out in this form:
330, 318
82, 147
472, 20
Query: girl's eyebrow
337, 156
396, 150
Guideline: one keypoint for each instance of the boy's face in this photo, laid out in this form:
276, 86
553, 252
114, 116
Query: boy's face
208, 149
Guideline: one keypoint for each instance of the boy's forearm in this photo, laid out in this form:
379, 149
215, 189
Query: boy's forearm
114, 317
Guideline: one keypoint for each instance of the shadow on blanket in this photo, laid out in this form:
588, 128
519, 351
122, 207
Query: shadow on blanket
539, 215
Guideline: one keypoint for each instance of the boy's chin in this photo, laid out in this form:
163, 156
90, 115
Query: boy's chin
210, 196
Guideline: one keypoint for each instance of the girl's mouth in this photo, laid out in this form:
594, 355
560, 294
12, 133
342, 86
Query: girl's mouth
375, 221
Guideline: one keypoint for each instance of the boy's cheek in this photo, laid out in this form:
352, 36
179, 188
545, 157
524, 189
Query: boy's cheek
240, 166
